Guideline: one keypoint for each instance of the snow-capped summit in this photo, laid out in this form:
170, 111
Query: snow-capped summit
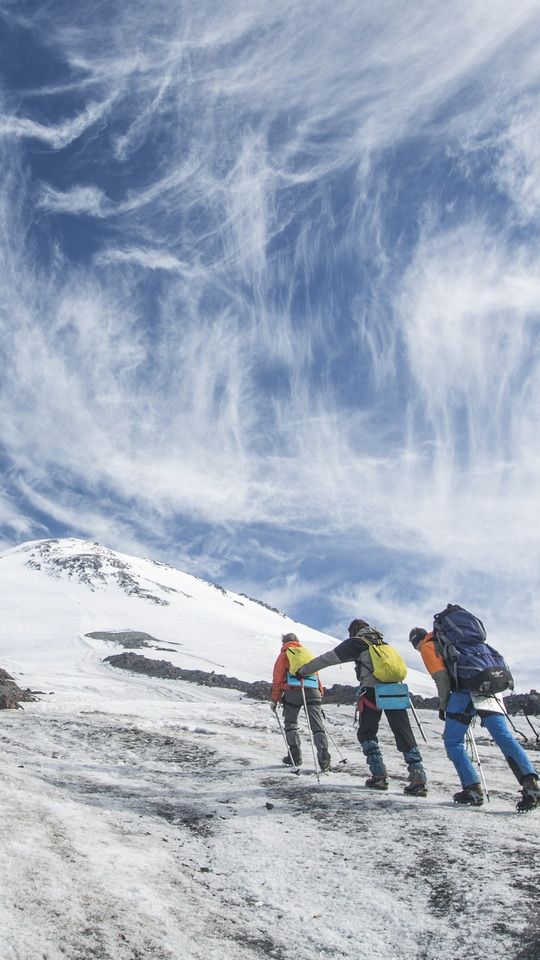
90, 563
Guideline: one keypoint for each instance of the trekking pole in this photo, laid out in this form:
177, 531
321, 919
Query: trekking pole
415, 715
537, 735
474, 749
329, 735
294, 766
310, 732
511, 722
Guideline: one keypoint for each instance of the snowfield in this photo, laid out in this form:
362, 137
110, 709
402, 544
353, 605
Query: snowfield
147, 819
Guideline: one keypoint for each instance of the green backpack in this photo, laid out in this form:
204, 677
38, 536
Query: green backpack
387, 664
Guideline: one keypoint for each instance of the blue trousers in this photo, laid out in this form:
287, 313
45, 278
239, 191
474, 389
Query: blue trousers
496, 723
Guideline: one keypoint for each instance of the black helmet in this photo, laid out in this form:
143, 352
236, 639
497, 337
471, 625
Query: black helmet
355, 626
416, 635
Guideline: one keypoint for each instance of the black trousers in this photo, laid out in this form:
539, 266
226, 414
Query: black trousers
370, 718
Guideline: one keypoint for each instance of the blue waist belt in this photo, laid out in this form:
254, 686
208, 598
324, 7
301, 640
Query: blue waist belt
308, 681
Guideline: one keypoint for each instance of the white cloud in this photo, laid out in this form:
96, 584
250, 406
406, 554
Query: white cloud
151, 259
79, 199
13, 520
58, 135
517, 170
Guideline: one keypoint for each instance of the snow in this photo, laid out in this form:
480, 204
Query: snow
147, 819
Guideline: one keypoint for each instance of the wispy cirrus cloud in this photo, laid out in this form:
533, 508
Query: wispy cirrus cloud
79, 199
58, 135
152, 259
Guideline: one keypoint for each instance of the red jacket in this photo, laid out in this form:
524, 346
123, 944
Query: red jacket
281, 669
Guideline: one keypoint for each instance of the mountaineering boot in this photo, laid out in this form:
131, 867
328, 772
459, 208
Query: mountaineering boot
417, 775
324, 760
418, 789
377, 783
374, 759
471, 796
291, 763
296, 758
530, 794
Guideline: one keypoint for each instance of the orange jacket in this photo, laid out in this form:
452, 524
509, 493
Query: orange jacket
281, 669
433, 661
436, 667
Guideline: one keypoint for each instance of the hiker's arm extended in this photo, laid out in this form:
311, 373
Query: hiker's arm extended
344, 652
327, 659
442, 681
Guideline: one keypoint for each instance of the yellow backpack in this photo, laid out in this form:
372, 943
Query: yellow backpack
297, 657
387, 664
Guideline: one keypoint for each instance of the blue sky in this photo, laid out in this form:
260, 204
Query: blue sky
270, 310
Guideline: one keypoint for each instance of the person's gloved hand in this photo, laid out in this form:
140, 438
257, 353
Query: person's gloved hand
442, 714
273, 707
298, 675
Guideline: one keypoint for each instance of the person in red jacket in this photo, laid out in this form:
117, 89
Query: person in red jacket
287, 690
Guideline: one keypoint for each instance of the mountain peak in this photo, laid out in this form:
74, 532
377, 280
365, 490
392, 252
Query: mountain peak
90, 563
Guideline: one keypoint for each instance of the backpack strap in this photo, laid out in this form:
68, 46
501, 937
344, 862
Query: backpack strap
447, 651
372, 637
464, 718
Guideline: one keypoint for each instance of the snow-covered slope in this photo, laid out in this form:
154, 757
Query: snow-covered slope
53, 593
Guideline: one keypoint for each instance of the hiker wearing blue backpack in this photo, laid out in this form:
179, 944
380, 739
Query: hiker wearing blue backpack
364, 647
469, 674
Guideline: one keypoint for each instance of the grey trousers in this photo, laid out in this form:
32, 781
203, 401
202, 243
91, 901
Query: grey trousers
292, 704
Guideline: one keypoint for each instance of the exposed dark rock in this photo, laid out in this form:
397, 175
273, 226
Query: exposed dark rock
94, 570
260, 690
425, 703
262, 603
165, 669
125, 638
341, 693
11, 695
523, 703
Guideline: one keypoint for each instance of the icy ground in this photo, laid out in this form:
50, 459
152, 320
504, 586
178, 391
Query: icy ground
145, 819
155, 822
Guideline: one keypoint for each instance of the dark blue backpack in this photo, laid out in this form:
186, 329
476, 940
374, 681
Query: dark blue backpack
460, 638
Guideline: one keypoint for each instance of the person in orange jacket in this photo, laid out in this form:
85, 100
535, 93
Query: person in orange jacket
457, 709
287, 690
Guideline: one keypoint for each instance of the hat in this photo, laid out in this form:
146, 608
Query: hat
289, 638
355, 626
416, 635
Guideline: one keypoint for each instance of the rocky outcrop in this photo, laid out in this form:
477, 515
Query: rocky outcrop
11, 695
424, 703
260, 690
340, 693
133, 639
528, 703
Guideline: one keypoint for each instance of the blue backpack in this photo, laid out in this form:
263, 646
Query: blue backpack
460, 639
